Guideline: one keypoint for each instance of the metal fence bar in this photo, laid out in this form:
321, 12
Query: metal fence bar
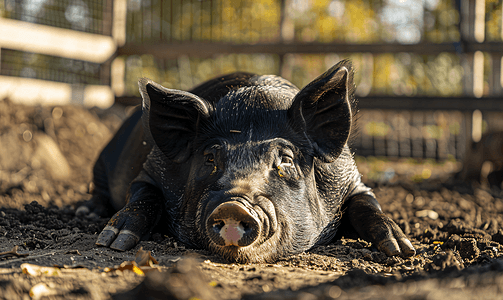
461, 103
438, 135
490, 104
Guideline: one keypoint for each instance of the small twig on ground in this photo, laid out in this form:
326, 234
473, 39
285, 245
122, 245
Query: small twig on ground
29, 257
12, 252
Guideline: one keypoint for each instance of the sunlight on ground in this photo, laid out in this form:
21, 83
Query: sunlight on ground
384, 170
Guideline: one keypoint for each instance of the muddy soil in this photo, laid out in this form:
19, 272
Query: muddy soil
47, 252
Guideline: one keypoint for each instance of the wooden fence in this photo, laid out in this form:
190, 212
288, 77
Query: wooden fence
56, 52
436, 128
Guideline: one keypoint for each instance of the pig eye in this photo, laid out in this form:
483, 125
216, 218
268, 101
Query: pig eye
210, 159
210, 154
286, 161
285, 166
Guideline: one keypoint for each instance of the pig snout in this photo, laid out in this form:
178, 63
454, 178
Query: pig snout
232, 224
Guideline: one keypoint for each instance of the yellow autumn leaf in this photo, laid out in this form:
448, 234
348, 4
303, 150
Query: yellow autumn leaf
35, 270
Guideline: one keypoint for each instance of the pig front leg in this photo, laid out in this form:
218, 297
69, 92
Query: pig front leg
134, 220
373, 225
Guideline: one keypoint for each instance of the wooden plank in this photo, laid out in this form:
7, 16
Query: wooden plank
31, 91
43, 39
197, 49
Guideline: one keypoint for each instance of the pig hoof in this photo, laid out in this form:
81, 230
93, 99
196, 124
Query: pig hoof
107, 236
125, 241
390, 247
394, 247
125, 228
407, 248
384, 234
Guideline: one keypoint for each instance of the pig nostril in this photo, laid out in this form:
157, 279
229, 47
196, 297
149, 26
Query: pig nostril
246, 228
218, 226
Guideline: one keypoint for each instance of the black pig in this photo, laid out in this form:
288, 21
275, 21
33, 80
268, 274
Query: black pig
246, 166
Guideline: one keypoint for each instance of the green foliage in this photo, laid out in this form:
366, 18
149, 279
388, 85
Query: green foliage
344, 21
244, 21
377, 129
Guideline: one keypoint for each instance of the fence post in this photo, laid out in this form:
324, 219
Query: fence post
286, 32
467, 31
497, 79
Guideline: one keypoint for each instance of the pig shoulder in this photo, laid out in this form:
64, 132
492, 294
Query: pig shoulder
339, 180
166, 175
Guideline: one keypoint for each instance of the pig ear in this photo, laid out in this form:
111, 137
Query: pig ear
171, 118
322, 110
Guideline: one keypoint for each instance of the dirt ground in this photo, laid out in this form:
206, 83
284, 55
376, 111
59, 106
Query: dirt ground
47, 252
